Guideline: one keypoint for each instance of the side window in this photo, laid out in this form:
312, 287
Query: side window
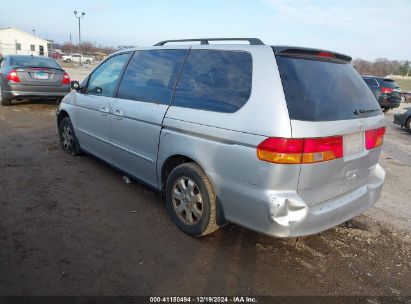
103, 80
215, 80
151, 75
2, 62
371, 82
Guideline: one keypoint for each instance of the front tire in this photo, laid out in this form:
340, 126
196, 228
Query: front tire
191, 201
385, 110
68, 139
87, 61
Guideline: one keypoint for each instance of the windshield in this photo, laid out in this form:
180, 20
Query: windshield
324, 91
30, 61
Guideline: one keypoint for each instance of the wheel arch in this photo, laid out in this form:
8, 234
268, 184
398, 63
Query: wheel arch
177, 159
61, 115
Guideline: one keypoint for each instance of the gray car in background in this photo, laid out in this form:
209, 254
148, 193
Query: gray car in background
281, 140
31, 77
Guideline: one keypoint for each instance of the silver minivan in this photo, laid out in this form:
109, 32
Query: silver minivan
281, 140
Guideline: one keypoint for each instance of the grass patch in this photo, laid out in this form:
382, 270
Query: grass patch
405, 84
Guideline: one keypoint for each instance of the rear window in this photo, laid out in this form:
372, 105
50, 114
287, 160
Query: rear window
37, 62
389, 83
324, 90
213, 80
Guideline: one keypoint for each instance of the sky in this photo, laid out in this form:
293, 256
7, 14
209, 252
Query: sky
366, 29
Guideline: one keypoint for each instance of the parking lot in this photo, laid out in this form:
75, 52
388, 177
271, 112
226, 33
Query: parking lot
71, 225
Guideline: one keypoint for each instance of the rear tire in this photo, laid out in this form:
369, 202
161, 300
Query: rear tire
385, 110
68, 139
191, 201
408, 124
403, 99
4, 101
67, 60
87, 61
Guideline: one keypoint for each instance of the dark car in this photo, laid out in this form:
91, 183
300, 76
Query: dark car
31, 77
406, 96
404, 119
386, 90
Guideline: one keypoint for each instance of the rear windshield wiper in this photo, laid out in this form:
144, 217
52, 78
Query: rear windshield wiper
362, 111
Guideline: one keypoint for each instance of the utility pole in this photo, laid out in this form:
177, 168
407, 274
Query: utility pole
79, 17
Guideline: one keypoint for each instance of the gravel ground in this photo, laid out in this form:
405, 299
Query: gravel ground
71, 226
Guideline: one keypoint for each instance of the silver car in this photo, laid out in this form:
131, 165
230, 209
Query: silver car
31, 77
281, 140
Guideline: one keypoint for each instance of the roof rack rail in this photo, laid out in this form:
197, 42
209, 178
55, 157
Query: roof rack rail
252, 41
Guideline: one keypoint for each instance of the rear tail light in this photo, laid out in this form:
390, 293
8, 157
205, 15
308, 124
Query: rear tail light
374, 138
13, 76
300, 151
311, 150
386, 90
281, 150
66, 79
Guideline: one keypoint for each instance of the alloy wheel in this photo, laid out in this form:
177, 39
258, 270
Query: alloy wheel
187, 200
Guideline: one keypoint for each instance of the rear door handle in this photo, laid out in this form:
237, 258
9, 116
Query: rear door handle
118, 114
104, 110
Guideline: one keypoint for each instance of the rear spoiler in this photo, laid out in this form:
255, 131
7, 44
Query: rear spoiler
307, 53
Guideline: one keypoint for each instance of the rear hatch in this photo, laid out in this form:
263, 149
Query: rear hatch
37, 71
390, 90
330, 105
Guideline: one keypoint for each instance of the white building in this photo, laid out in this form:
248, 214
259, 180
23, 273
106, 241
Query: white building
15, 41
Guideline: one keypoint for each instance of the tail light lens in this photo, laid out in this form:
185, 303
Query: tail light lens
297, 151
374, 138
322, 149
13, 76
386, 90
66, 79
281, 150
311, 150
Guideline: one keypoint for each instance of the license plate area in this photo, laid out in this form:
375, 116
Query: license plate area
353, 143
41, 75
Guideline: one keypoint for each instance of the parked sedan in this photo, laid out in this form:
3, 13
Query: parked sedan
31, 77
404, 119
406, 96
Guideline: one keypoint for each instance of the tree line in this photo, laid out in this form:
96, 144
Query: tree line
382, 67
87, 48
378, 67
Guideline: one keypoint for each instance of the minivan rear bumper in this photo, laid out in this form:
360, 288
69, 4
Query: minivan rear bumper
285, 214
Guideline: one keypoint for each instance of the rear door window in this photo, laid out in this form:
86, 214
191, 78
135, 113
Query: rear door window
324, 90
151, 75
215, 81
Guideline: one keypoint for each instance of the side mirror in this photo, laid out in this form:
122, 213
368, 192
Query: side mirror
75, 85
